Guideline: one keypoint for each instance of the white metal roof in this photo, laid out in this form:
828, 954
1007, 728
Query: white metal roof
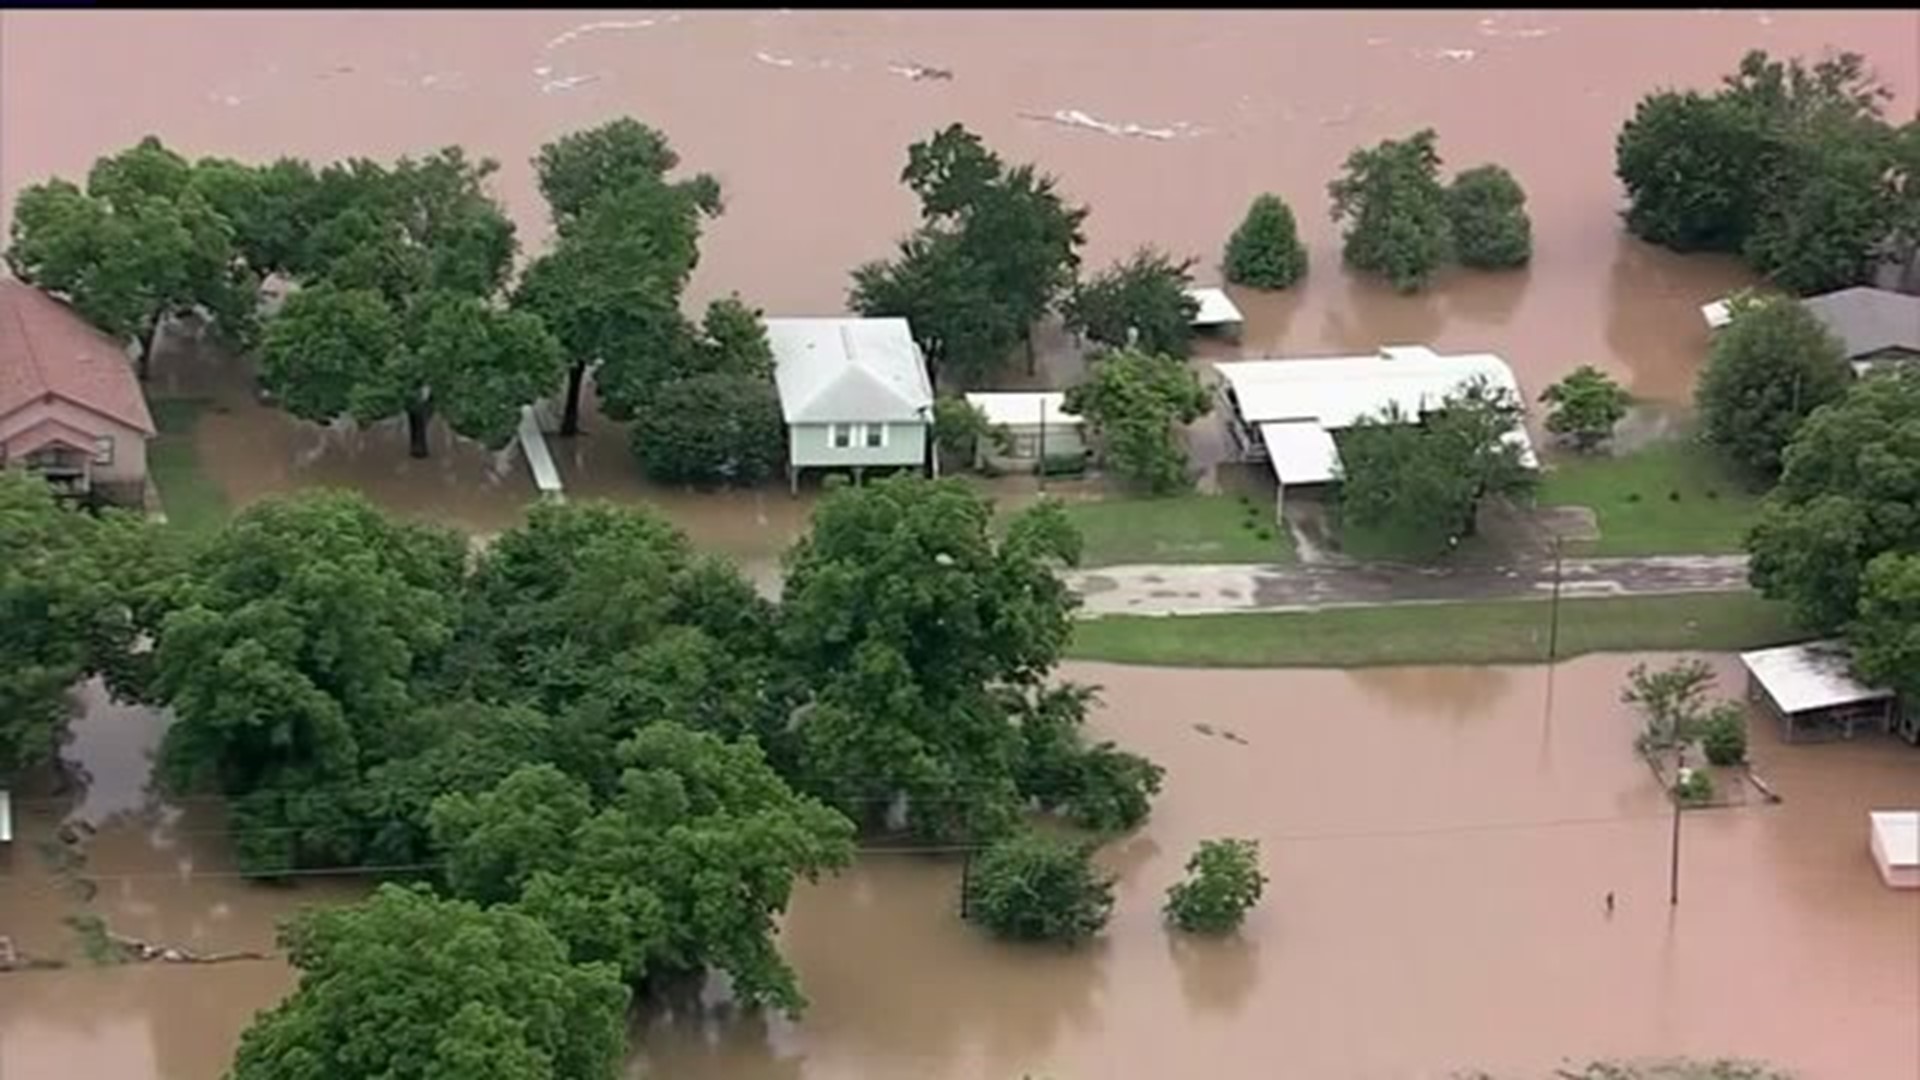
1336, 392
1896, 837
1717, 314
1301, 452
1019, 408
1216, 308
1810, 675
846, 370
6, 817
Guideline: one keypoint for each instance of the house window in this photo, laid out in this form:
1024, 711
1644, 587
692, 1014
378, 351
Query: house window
876, 436
842, 436
103, 450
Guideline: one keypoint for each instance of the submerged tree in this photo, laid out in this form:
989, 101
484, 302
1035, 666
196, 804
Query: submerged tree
1265, 251
1033, 887
1394, 210
1487, 211
1142, 302
1223, 883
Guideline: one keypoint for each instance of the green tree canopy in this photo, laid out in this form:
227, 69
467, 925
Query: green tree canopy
1141, 302
407, 986
1033, 887
1394, 211
1136, 405
1223, 883
1885, 635
1849, 493
948, 296
1487, 211
1265, 251
1422, 479
1584, 407
1768, 369
583, 166
298, 637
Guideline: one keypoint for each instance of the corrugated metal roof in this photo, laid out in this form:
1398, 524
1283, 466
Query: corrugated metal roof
1024, 409
1810, 675
1896, 835
845, 370
1216, 308
1868, 320
46, 348
1301, 452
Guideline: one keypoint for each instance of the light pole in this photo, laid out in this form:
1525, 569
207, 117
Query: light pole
1553, 628
1673, 793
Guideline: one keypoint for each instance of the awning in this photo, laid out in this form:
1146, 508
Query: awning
1300, 451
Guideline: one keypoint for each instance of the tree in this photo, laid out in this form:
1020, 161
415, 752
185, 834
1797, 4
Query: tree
140, 245
1826, 213
1766, 372
583, 166
1674, 701
685, 866
926, 642
958, 427
1692, 166
1033, 887
1223, 883
1099, 787
1142, 302
299, 634
1848, 495
1585, 406
712, 429
1422, 479
996, 247
404, 985
1394, 210
332, 353
1723, 734
1265, 251
627, 242
1136, 404
1487, 211
1886, 634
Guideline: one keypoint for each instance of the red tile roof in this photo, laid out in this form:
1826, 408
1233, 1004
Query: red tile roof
47, 350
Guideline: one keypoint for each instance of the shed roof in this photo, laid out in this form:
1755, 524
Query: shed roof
1868, 320
48, 350
1896, 835
1216, 308
6, 816
1718, 314
1014, 409
1301, 452
846, 370
1810, 675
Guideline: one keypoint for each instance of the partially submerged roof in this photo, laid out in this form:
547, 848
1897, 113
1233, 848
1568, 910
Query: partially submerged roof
1896, 837
1810, 675
1868, 320
847, 370
1024, 408
1336, 392
1216, 308
1301, 452
1718, 314
48, 351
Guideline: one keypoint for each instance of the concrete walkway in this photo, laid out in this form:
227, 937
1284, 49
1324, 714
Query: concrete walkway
1217, 589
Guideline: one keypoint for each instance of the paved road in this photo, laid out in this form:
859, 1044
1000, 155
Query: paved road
1214, 589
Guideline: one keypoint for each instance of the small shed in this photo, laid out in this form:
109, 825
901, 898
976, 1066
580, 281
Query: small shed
1718, 314
1302, 453
1034, 427
1217, 310
6, 817
1896, 846
1810, 690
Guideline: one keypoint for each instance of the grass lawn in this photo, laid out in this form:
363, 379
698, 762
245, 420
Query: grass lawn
191, 500
1512, 631
1179, 529
1632, 497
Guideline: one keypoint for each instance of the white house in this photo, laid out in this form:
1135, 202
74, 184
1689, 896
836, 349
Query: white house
854, 392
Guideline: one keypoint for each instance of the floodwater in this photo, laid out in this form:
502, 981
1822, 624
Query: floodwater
1438, 849
1165, 123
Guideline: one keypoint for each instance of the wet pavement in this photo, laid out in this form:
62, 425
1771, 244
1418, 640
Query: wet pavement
1217, 589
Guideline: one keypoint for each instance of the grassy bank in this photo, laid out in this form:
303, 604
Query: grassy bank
192, 501
1512, 631
1669, 498
1179, 529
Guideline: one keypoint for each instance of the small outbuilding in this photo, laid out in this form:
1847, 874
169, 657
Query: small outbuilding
1027, 428
6, 817
1810, 690
1896, 846
1217, 311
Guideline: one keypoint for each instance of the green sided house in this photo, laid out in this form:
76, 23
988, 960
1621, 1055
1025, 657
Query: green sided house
854, 392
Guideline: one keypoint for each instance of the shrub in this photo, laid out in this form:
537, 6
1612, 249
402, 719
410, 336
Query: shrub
1265, 251
1693, 788
1724, 735
1584, 407
711, 429
1223, 883
1064, 464
1032, 887
958, 427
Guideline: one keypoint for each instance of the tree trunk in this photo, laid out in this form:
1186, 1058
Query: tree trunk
570, 422
144, 366
1032, 360
417, 417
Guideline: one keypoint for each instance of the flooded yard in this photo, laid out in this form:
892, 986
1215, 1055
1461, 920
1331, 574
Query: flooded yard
1439, 852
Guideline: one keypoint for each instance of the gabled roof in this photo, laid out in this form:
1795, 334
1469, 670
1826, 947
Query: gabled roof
47, 350
845, 370
1810, 675
1869, 320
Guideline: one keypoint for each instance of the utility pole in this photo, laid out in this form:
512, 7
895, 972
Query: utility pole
1673, 869
1553, 628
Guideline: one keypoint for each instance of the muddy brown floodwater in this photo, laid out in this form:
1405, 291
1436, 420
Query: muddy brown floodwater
1165, 123
1439, 853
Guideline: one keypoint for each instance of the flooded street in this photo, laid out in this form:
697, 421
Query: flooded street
1438, 855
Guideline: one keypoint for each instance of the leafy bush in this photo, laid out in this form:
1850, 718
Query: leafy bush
1768, 369
1584, 407
711, 429
1694, 787
1032, 887
1074, 464
1223, 883
1488, 212
1724, 735
1265, 251
958, 427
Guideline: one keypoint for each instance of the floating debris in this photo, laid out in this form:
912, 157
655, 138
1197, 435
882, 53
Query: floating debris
1076, 118
1204, 729
554, 86
605, 26
917, 72
776, 61
1456, 55
1490, 27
